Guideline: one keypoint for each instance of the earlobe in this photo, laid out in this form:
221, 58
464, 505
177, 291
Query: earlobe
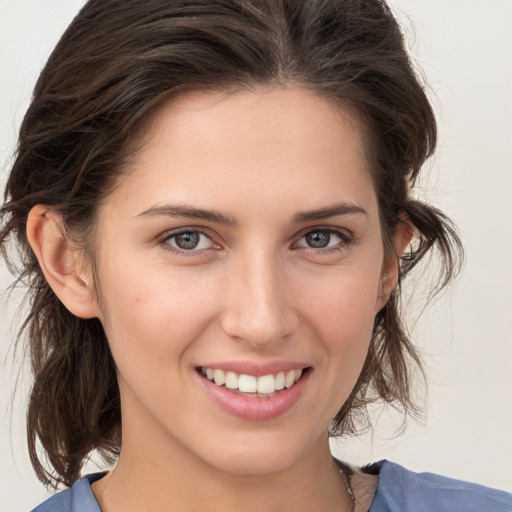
61, 262
404, 232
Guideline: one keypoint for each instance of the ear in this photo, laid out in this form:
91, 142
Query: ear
404, 232
62, 263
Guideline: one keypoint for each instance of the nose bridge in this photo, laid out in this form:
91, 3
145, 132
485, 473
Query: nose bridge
258, 308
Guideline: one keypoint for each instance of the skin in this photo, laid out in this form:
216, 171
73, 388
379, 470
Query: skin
254, 291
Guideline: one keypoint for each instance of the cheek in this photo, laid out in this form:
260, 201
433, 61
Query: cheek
348, 335
348, 299
157, 317
341, 310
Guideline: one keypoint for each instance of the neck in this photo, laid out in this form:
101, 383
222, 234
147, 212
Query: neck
162, 481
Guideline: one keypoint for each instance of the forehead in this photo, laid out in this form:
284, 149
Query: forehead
250, 148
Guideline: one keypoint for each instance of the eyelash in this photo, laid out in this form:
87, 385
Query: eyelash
345, 239
164, 241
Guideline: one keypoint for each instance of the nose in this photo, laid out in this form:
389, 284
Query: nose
258, 307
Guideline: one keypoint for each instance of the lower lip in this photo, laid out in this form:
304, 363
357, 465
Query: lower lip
255, 408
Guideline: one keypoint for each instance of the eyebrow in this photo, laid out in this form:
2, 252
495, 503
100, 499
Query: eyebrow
189, 212
330, 211
219, 218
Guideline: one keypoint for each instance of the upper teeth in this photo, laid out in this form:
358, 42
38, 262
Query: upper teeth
251, 384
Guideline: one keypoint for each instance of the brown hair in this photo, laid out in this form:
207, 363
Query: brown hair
115, 64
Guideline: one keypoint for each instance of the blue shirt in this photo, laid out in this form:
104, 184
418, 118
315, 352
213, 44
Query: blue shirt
400, 490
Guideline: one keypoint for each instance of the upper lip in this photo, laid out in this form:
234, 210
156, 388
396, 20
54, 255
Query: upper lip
256, 369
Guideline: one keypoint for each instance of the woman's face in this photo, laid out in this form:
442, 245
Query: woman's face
244, 240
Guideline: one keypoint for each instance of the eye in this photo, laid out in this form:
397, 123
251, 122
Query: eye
323, 239
188, 241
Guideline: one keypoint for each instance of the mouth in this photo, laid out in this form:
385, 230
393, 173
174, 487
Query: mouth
251, 385
254, 397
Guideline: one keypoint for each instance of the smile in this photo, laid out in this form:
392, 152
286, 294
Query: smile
264, 385
254, 397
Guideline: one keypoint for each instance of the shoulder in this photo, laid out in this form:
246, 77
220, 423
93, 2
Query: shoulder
402, 490
78, 498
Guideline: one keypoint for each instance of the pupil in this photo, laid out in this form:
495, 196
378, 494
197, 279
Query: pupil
318, 239
187, 240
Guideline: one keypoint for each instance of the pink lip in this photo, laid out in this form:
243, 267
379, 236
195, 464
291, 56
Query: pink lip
255, 408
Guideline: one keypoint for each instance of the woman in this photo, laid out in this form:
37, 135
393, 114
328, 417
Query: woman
213, 204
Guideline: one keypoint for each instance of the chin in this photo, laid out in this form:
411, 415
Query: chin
261, 454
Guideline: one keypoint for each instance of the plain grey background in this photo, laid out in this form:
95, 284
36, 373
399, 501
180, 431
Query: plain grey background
465, 49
